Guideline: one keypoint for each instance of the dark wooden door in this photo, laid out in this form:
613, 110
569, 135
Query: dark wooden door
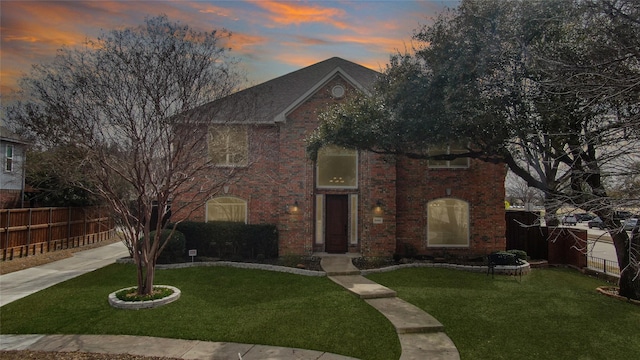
337, 223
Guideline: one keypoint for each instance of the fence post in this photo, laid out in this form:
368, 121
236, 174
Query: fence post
29, 230
84, 230
68, 226
8, 226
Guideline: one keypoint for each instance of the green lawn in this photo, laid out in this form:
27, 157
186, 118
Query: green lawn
549, 314
217, 304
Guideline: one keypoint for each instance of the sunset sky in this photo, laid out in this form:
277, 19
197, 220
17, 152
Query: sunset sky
271, 38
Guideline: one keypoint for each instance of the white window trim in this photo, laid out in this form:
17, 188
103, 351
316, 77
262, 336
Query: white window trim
318, 186
448, 165
468, 244
9, 159
319, 219
353, 219
227, 154
246, 208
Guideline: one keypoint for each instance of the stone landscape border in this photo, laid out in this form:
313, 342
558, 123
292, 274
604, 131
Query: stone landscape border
149, 304
612, 291
523, 269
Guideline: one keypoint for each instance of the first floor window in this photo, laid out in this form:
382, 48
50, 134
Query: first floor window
227, 209
447, 223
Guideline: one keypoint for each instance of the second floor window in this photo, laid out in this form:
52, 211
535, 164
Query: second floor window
337, 168
228, 145
8, 165
462, 162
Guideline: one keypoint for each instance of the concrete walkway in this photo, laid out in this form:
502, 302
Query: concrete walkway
421, 335
19, 284
160, 347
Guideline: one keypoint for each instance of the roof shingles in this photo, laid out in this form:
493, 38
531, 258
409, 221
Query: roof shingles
268, 102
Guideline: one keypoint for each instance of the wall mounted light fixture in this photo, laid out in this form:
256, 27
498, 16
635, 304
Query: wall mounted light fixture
447, 191
378, 210
294, 208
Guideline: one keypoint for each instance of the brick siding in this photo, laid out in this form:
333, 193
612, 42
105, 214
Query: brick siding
281, 174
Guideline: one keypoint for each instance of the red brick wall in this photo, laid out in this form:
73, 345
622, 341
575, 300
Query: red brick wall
481, 185
257, 184
281, 174
296, 231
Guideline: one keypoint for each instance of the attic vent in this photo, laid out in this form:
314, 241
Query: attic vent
337, 91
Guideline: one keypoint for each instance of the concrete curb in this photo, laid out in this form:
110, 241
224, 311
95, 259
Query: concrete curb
149, 304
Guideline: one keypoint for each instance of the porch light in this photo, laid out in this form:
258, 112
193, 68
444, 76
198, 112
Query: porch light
378, 208
295, 208
447, 191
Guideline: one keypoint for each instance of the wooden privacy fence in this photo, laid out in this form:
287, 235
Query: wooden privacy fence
25, 232
557, 245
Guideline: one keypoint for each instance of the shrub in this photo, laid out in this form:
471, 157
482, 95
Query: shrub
503, 258
231, 240
521, 254
174, 250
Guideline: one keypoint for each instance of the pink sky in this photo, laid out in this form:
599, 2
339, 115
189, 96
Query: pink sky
271, 38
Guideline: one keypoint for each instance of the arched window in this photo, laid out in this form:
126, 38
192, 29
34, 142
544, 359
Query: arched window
226, 208
447, 223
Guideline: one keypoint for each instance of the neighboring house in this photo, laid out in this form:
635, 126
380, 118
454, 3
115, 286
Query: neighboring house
13, 154
348, 201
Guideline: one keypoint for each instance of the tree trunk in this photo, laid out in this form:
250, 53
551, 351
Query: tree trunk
629, 272
148, 285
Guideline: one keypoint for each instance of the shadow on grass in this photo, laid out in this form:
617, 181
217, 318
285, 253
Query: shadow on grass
217, 304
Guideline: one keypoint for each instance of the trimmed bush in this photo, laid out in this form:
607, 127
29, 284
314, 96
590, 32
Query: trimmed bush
231, 240
174, 251
521, 254
503, 258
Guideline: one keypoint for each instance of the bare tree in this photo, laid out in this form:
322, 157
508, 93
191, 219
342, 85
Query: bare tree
121, 100
518, 191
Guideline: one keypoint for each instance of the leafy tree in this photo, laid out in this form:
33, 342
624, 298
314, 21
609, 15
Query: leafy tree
53, 187
550, 88
120, 101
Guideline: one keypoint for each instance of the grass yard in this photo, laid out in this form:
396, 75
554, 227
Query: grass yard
217, 304
549, 314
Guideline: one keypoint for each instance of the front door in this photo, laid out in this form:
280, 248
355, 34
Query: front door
337, 223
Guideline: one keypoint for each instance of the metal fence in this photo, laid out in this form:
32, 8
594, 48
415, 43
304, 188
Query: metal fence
605, 266
25, 232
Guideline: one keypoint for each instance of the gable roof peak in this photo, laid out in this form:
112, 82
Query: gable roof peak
271, 101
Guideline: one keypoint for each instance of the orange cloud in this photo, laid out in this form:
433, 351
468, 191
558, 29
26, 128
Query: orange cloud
289, 13
244, 43
298, 59
305, 59
206, 8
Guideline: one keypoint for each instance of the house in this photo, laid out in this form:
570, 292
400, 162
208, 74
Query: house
348, 201
13, 156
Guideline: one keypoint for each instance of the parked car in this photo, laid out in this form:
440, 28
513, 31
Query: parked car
584, 217
630, 223
596, 222
570, 220
621, 215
